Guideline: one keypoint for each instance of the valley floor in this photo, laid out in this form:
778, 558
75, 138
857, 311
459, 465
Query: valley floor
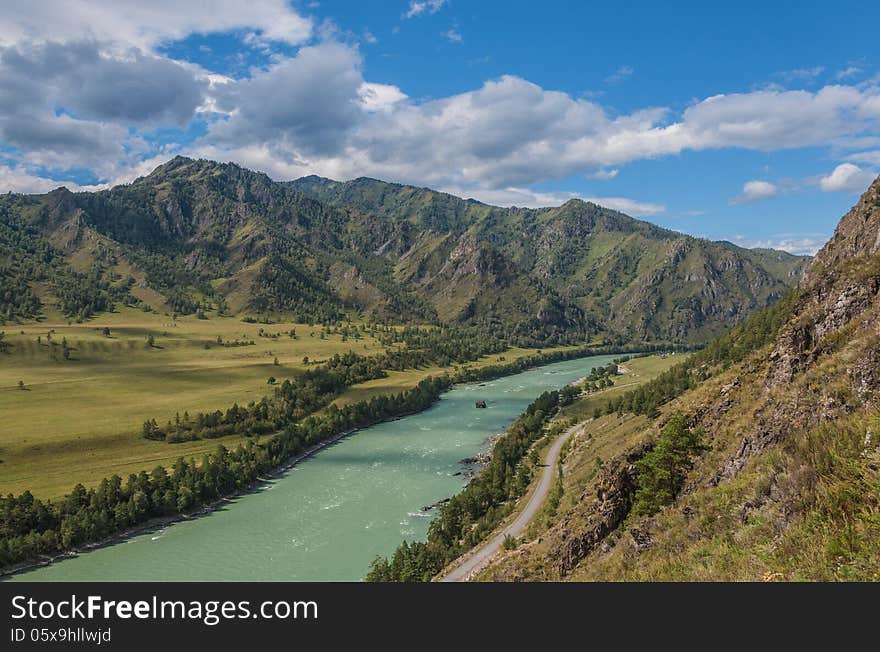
79, 419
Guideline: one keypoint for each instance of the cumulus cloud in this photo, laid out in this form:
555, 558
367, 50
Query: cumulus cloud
147, 24
379, 97
755, 191
847, 177
132, 87
16, 179
71, 102
74, 105
604, 174
799, 244
509, 133
304, 105
526, 198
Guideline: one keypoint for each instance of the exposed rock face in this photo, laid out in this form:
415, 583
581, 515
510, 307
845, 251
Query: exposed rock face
614, 497
857, 234
823, 367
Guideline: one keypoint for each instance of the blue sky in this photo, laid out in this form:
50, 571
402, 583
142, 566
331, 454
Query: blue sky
753, 122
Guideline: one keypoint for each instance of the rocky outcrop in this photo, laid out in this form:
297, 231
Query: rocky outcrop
613, 501
857, 234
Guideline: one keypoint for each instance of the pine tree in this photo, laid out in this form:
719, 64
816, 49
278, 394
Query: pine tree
662, 471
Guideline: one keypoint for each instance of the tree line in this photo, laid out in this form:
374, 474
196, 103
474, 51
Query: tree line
31, 528
476, 510
757, 331
292, 401
26, 255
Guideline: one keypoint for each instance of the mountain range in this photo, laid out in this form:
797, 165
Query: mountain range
196, 235
785, 484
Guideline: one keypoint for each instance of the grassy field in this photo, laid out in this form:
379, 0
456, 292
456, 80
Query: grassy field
79, 419
636, 371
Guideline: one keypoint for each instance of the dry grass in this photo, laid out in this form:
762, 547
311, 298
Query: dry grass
79, 420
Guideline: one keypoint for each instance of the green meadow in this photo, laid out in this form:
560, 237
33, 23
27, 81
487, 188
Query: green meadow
79, 419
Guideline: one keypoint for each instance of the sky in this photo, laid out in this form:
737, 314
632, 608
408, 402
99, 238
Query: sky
753, 122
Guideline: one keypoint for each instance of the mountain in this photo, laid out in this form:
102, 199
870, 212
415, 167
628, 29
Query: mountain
630, 276
786, 482
199, 235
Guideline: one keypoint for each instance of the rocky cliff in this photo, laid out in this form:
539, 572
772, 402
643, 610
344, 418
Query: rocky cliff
790, 488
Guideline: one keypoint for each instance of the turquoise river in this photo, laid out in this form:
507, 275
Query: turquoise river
330, 515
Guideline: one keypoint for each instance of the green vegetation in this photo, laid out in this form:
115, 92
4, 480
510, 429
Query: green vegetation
147, 319
587, 269
475, 511
196, 237
419, 561
663, 469
758, 331
30, 528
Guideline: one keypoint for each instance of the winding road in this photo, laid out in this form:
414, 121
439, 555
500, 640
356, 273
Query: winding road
475, 560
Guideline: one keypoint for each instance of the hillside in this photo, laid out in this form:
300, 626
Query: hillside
635, 279
768, 467
198, 236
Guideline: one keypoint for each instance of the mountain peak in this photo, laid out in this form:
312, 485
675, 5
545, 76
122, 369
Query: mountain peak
857, 233
186, 168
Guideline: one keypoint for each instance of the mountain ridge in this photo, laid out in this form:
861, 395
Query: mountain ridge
196, 234
788, 485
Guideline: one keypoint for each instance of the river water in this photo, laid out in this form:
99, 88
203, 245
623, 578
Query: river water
329, 516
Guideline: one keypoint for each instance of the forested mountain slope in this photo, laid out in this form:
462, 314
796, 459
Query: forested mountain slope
758, 458
195, 236
629, 276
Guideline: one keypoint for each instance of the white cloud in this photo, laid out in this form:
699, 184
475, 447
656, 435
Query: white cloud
304, 105
17, 179
507, 133
629, 206
453, 36
847, 177
419, 7
380, 97
846, 73
801, 74
84, 78
755, 191
527, 198
871, 157
620, 74
799, 244
77, 105
604, 174
147, 24
315, 112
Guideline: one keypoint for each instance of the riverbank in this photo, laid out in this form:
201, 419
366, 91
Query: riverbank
328, 518
159, 523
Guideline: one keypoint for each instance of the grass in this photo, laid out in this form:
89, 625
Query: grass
79, 420
600, 440
639, 370
803, 509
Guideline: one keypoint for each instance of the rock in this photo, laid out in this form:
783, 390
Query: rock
641, 539
617, 485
